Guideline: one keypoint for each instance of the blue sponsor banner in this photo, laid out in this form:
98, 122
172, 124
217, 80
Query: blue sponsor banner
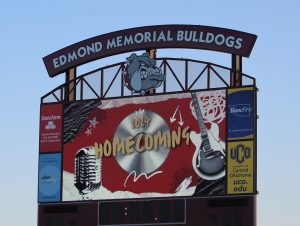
240, 113
49, 177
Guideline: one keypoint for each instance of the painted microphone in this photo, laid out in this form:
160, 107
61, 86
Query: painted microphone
87, 170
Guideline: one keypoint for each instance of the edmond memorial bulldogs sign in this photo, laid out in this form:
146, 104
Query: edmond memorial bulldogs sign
150, 140
162, 36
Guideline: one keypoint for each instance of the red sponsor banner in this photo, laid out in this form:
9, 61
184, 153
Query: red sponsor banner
51, 128
146, 147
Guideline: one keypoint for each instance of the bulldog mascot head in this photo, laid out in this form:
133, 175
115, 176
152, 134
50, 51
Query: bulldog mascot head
141, 74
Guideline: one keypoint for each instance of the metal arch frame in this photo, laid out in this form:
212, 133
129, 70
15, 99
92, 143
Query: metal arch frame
64, 90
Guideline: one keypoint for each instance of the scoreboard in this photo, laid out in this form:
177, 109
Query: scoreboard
149, 156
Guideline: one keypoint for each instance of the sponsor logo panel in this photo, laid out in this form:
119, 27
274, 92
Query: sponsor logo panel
240, 167
49, 177
240, 111
51, 128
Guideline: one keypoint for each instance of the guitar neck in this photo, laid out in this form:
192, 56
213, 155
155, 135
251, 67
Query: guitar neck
199, 114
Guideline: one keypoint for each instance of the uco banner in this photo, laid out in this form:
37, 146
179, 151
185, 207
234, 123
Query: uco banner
240, 168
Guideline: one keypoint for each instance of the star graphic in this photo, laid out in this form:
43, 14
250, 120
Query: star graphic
93, 122
88, 131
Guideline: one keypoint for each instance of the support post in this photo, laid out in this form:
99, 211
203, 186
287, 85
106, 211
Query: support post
152, 54
236, 74
70, 87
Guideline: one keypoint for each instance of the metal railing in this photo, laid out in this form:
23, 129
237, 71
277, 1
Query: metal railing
181, 75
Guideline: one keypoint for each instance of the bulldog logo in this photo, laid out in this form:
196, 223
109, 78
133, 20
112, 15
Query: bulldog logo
141, 74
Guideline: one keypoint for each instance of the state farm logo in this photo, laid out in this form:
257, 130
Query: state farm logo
240, 153
240, 110
51, 118
50, 125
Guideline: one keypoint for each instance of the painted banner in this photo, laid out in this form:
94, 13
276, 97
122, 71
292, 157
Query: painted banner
49, 177
240, 113
240, 169
51, 128
148, 146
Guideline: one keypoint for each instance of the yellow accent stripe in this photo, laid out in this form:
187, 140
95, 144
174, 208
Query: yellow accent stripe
233, 90
242, 138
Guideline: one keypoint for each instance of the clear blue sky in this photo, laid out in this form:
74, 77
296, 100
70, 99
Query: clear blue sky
32, 29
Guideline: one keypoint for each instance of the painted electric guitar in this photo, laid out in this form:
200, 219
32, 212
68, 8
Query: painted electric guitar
209, 157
